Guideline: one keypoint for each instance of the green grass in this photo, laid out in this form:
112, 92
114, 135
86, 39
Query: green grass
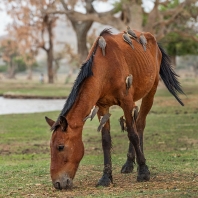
32, 88
171, 149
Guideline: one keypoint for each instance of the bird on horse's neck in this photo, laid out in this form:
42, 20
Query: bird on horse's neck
82, 106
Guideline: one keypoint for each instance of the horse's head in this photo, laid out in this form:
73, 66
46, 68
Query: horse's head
67, 151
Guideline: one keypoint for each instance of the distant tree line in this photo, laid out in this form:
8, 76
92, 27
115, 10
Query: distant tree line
172, 22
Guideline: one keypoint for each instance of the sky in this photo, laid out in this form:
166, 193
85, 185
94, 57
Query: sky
102, 6
5, 19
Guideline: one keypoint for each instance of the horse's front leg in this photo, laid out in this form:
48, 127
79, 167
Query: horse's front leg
106, 178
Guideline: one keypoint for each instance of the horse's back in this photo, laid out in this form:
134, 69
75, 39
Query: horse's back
120, 60
143, 65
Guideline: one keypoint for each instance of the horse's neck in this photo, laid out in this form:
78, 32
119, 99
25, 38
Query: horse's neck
82, 106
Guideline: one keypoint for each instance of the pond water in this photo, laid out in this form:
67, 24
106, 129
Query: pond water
13, 106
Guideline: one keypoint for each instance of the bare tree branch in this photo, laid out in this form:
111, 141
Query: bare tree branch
186, 35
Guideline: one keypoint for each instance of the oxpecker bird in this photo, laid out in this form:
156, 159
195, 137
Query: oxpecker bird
122, 121
135, 113
102, 43
143, 41
103, 121
127, 39
93, 112
132, 34
129, 81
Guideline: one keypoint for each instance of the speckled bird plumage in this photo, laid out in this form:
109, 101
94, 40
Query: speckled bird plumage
93, 112
103, 121
102, 43
135, 113
127, 39
129, 81
131, 32
143, 41
122, 122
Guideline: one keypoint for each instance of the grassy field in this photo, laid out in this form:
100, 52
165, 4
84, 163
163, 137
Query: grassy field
23, 87
171, 149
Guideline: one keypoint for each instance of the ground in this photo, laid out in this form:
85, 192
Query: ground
171, 149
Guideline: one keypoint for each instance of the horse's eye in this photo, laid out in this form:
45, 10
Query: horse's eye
61, 147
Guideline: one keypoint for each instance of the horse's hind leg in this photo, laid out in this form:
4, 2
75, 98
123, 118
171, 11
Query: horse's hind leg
127, 106
146, 105
106, 179
128, 166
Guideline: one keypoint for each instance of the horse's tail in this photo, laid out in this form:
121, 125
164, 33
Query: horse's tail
169, 76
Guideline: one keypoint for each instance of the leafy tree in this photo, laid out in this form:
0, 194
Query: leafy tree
165, 17
9, 52
36, 20
177, 45
181, 40
12, 55
33, 28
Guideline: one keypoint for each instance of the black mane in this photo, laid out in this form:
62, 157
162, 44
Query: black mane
85, 72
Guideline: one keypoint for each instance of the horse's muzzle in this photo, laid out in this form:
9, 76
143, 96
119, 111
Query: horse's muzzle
63, 183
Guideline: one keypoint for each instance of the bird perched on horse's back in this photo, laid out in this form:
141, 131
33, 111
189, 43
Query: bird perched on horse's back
102, 44
127, 39
143, 41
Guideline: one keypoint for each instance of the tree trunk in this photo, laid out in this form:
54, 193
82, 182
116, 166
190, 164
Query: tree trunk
50, 56
132, 14
81, 30
29, 76
50, 65
56, 63
12, 73
12, 69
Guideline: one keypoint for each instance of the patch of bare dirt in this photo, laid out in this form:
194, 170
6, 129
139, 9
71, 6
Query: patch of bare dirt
171, 184
15, 148
189, 141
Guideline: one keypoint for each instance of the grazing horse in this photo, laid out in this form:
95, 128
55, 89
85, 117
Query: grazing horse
120, 70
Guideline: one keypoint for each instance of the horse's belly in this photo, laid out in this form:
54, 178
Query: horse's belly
143, 86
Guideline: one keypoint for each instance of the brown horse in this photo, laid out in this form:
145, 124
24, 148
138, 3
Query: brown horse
120, 70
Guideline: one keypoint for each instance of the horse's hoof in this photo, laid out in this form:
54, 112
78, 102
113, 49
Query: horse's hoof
127, 167
143, 173
105, 181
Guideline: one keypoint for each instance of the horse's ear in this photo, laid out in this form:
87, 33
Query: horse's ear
49, 121
63, 123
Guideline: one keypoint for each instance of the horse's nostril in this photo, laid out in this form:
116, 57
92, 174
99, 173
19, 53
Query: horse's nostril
63, 183
57, 185
68, 182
